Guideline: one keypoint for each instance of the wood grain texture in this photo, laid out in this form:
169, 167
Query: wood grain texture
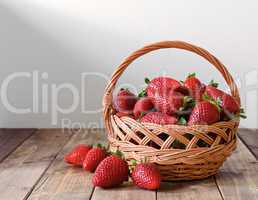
238, 178
62, 181
250, 139
10, 139
24, 167
125, 192
189, 190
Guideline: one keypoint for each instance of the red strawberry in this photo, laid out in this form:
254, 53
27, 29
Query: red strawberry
143, 105
228, 103
77, 155
168, 101
204, 113
214, 92
160, 83
195, 87
146, 176
124, 101
93, 158
112, 171
158, 118
120, 114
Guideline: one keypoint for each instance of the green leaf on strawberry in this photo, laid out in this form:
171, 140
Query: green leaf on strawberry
213, 83
147, 80
143, 93
182, 121
191, 75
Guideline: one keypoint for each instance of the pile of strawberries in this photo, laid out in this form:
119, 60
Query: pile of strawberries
111, 169
168, 101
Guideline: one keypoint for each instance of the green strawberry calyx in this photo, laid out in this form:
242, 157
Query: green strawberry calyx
191, 75
146, 80
213, 83
142, 93
182, 121
217, 102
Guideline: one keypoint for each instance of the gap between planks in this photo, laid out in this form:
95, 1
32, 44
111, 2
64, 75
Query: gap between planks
11, 139
24, 167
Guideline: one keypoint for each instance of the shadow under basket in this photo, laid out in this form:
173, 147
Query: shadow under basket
180, 152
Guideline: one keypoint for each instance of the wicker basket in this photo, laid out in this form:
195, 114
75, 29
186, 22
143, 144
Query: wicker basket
192, 162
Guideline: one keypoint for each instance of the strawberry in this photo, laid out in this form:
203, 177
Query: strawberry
93, 158
168, 101
146, 176
214, 92
143, 105
228, 104
112, 171
195, 87
158, 118
204, 112
160, 83
77, 155
124, 101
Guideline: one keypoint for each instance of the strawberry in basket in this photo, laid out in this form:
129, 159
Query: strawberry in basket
168, 101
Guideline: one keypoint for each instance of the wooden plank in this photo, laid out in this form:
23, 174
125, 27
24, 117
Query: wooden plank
62, 181
238, 178
250, 139
189, 190
24, 167
10, 139
125, 192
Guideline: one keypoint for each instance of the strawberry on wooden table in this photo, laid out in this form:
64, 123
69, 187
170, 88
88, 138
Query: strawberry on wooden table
93, 158
77, 155
204, 113
111, 172
158, 118
146, 176
124, 101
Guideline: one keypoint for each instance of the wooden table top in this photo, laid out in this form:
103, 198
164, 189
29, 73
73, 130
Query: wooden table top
32, 167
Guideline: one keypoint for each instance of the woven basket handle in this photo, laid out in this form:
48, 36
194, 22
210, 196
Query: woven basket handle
107, 99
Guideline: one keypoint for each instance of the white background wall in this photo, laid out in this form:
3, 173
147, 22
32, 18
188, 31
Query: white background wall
67, 38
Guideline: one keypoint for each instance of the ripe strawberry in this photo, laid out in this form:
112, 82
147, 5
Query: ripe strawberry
195, 87
120, 114
77, 155
204, 113
143, 105
227, 102
158, 118
146, 176
112, 171
93, 158
124, 101
160, 83
168, 101
214, 92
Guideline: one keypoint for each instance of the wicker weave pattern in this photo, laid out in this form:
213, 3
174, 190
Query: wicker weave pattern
155, 142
